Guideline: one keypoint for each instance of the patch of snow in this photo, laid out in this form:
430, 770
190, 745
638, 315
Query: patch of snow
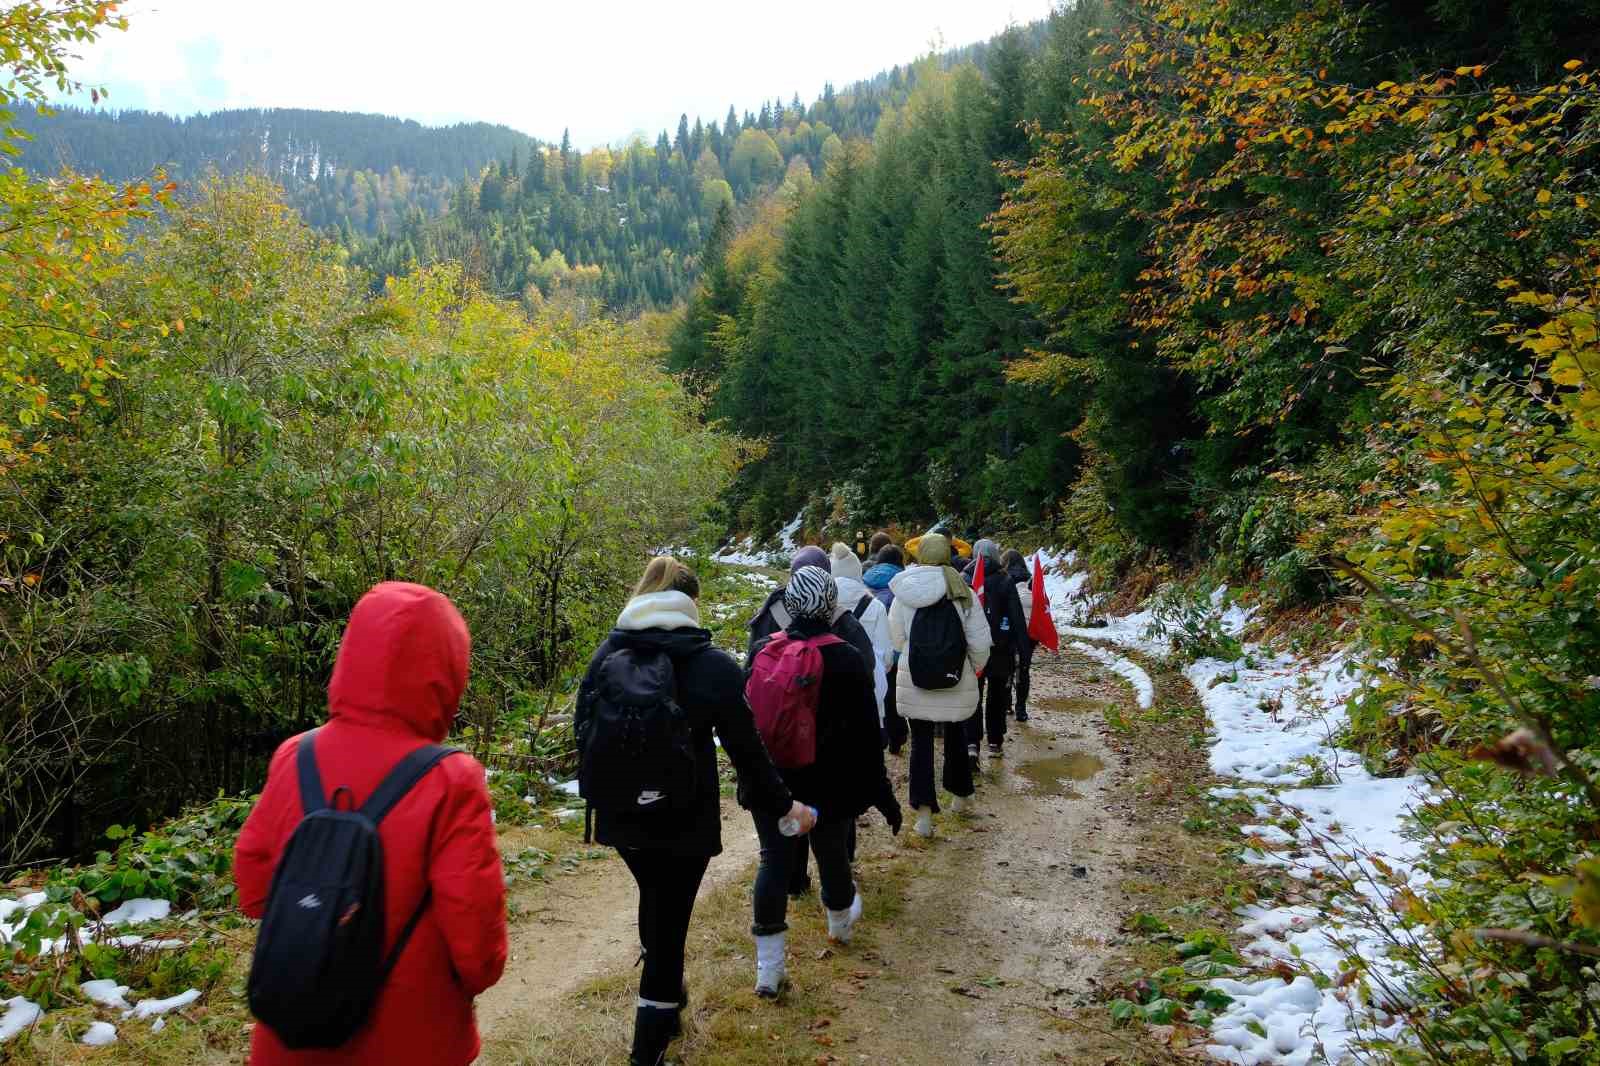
106, 993
570, 787
100, 1034
745, 552
161, 1023
1275, 719
154, 1008
1143, 688
138, 911
20, 1015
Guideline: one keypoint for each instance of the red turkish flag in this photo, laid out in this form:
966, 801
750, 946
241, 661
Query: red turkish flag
977, 581
1041, 627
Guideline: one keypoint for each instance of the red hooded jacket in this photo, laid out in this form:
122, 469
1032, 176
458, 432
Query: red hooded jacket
401, 670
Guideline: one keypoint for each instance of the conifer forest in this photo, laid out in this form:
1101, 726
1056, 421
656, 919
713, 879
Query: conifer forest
1267, 330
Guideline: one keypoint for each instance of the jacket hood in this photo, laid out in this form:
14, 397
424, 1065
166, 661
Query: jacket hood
659, 610
403, 662
1019, 573
920, 586
879, 576
850, 591
989, 550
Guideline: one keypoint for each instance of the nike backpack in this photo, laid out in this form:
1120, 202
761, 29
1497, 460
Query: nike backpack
937, 653
319, 962
635, 745
785, 683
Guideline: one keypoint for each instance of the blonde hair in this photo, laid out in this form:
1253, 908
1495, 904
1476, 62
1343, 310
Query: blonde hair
666, 574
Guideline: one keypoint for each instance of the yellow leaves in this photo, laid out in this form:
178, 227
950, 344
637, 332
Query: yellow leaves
1474, 72
1572, 64
1543, 196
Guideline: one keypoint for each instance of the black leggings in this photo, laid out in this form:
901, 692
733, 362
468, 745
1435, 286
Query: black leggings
667, 887
957, 771
830, 839
893, 724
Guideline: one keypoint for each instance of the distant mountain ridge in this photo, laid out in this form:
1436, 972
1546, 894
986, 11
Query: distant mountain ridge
625, 224
337, 167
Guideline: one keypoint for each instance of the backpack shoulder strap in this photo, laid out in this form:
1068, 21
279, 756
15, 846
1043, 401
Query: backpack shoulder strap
312, 797
407, 773
864, 606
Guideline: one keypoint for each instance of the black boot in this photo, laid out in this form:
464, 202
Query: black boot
653, 1029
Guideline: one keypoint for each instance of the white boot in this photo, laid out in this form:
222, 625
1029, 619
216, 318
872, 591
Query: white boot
924, 822
842, 924
959, 804
772, 966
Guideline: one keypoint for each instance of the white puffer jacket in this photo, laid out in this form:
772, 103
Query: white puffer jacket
924, 586
876, 622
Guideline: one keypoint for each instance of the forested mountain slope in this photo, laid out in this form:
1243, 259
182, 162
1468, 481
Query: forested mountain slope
360, 173
627, 223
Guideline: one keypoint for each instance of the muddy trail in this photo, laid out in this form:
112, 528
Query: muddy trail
979, 945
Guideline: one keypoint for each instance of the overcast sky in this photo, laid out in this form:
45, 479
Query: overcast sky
605, 68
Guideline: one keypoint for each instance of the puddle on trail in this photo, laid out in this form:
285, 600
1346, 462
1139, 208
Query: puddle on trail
1055, 776
1070, 704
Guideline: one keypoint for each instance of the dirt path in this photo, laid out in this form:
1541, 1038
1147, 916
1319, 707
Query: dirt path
1010, 916
977, 947
577, 928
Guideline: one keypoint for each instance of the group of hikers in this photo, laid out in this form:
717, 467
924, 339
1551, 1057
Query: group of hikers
382, 898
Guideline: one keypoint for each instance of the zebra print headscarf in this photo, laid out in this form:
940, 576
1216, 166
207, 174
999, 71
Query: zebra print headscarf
811, 593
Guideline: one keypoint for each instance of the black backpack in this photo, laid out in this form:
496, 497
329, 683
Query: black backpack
318, 962
635, 744
937, 655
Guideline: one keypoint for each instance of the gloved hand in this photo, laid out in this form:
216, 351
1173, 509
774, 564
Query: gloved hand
891, 814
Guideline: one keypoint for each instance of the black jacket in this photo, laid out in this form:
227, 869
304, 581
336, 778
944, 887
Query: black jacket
1020, 575
711, 692
1002, 605
849, 777
765, 623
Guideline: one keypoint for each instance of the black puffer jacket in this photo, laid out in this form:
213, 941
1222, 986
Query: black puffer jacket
711, 692
849, 777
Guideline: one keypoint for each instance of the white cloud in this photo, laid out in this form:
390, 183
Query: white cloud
605, 68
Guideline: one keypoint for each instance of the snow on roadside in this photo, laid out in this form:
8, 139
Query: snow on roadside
746, 553
1275, 718
1143, 688
20, 1015
154, 1008
100, 1034
107, 993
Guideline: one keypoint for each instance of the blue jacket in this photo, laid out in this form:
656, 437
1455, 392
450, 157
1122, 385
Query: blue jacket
877, 579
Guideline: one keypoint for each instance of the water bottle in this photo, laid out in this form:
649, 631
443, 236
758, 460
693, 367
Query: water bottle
790, 827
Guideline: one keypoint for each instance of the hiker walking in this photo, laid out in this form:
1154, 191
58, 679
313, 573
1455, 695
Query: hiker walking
655, 691
383, 965
812, 700
943, 640
855, 597
772, 619
890, 564
1022, 578
1008, 629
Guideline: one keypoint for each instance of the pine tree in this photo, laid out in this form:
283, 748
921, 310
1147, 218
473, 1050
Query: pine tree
682, 141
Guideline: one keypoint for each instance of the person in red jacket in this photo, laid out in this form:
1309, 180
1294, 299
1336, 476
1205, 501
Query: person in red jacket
397, 683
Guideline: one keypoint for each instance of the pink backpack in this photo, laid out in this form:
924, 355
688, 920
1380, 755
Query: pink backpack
784, 684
